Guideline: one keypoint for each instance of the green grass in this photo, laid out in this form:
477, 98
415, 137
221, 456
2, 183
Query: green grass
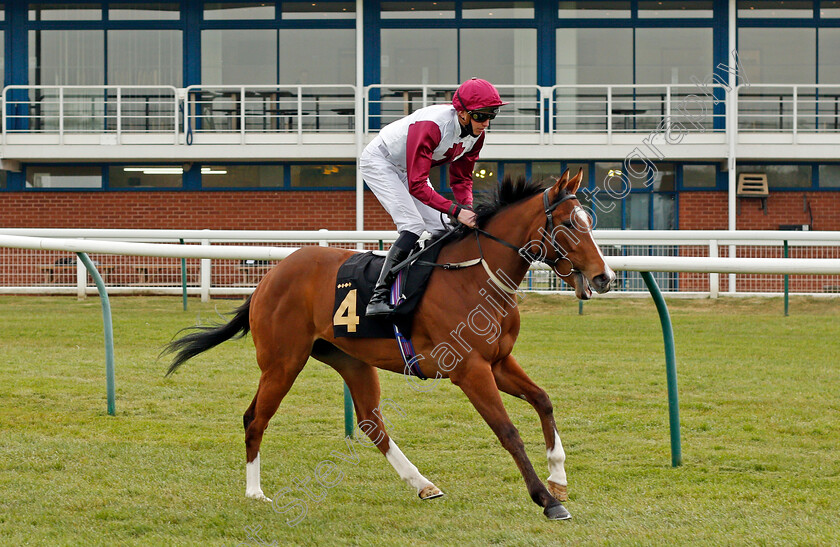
759, 400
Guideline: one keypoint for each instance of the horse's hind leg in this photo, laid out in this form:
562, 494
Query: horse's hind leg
511, 379
279, 373
363, 381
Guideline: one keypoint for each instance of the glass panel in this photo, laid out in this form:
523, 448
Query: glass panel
3, 18
147, 176
67, 57
144, 12
241, 176
594, 9
485, 176
514, 170
417, 10
829, 69
323, 176
679, 9
2, 180
498, 10
595, 56
225, 11
541, 170
607, 213
664, 179
663, 212
699, 176
238, 57
65, 12
673, 55
778, 55
419, 56
51, 176
144, 57
327, 56
797, 9
609, 176
829, 176
318, 10
501, 56
781, 176
830, 9
638, 212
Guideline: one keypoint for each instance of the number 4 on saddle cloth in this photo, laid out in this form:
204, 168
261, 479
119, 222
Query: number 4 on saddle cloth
354, 287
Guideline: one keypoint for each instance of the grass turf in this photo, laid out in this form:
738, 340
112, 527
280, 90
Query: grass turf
758, 398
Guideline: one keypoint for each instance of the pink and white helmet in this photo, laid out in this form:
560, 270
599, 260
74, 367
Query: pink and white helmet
476, 94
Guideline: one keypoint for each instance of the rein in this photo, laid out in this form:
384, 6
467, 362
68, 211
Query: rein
526, 254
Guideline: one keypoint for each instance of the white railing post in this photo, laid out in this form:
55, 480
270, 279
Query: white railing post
204, 275
609, 114
60, 116
795, 112
323, 242
714, 278
119, 114
81, 279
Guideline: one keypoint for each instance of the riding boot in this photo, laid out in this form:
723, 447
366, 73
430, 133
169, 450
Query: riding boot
379, 303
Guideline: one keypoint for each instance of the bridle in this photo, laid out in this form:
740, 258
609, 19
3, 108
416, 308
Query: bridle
527, 254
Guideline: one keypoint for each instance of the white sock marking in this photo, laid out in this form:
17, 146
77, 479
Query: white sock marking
406, 470
556, 458
252, 480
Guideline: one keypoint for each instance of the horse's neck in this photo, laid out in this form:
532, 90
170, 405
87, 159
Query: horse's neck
514, 224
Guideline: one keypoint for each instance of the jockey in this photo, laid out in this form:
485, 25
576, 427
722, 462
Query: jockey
396, 164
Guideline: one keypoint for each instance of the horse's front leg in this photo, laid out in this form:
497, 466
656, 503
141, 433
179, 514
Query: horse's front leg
511, 379
475, 379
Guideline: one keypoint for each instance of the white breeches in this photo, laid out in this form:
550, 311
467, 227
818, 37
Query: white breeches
389, 184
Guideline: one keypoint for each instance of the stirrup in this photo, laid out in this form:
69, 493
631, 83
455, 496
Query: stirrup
381, 308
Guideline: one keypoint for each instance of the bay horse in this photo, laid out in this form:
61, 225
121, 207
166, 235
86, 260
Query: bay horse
465, 326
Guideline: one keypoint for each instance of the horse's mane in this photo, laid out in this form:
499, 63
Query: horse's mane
487, 204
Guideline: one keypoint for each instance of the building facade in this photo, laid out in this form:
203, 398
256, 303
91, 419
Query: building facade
250, 115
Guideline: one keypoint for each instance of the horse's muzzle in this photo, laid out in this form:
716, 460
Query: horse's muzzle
601, 283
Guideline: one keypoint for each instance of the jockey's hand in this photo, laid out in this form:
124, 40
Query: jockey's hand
465, 216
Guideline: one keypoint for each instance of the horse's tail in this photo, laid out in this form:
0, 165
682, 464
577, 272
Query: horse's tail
204, 338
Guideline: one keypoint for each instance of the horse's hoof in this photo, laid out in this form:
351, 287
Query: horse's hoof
259, 496
430, 492
558, 491
556, 512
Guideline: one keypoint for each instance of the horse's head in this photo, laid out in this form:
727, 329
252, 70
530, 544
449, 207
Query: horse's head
571, 250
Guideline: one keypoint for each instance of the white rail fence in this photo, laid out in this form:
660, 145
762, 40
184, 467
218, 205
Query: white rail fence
284, 113
220, 262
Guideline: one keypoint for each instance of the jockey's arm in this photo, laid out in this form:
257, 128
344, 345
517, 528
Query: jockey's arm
423, 138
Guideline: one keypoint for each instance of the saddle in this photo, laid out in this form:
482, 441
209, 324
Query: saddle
354, 287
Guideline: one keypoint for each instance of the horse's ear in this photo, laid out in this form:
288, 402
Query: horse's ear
573, 184
558, 185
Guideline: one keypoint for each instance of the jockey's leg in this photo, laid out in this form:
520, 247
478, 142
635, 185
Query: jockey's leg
399, 251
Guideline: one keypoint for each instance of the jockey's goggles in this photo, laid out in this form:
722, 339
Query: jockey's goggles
483, 114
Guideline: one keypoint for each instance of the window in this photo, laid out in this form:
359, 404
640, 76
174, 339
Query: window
498, 10
485, 176
241, 176
673, 55
323, 57
699, 176
226, 11
51, 176
145, 57
147, 176
675, 9
775, 9
238, 57
778, 55
829, 176
323, 176
319, 10
781, 176
417, 10
67, 57
144, 12
594, 56
501, 56
65, 12
594, 9
418, 56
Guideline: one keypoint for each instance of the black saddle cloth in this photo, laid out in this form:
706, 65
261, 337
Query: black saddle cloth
354, 287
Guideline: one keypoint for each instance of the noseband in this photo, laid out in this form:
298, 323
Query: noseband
527, 254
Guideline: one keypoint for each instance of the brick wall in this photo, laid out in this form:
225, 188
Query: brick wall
708, 211
190, 210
